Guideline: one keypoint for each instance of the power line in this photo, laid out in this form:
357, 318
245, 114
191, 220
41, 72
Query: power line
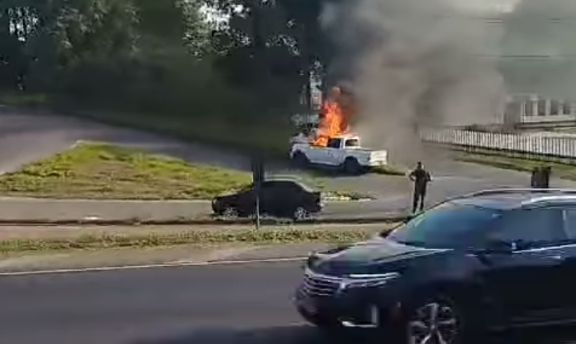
504, 18
533, 57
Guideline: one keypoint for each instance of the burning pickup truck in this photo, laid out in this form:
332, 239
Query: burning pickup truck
342, 152
332, 144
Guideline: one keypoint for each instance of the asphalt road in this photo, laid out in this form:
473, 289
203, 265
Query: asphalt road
241, 304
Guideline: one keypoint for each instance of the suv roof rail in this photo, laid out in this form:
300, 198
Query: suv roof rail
517, 190
544, 199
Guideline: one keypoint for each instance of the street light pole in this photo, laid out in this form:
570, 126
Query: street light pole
257, 189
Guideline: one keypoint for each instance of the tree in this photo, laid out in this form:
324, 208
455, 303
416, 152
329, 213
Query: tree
88, 29
43, 36
18, 20
272, 41
196, 29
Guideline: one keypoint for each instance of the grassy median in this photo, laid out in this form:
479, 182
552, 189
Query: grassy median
98, 171
390, 170
560, 170
192, 237
101, 171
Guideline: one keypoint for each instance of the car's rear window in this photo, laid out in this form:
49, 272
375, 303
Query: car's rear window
290, 184
450, 225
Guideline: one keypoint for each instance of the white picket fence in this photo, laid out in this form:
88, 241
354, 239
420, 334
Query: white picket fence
561, 147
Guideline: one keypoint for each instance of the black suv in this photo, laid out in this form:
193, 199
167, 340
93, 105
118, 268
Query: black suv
278, 198
489, 261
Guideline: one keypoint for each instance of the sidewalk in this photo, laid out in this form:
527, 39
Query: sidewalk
50, 210
29, 210
390, 205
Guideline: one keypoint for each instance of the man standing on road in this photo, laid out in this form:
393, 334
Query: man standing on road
421, 178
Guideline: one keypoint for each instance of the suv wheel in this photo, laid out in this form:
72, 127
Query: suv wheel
436, 320
301, 214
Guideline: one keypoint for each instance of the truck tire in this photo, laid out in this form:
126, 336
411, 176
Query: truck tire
300, 160
352, 167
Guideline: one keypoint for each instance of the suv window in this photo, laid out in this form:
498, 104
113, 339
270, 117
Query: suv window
530, 228
570, 223
449, 225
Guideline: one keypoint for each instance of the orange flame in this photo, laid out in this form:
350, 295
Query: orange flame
334, 123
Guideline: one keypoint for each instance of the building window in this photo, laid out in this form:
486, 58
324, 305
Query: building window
554, 108
567, 108
529, 108
542, 107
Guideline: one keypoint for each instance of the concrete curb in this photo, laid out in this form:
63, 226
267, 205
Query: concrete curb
393, 218
32, 272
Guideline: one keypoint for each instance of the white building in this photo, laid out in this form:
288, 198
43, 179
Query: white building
531, 108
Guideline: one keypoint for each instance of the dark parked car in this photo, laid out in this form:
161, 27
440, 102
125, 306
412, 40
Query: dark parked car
489, 261
279, 198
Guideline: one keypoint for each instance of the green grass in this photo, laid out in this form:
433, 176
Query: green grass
269, 139
101, 171
278, 236
560, 170
98, 171
389, 170
24, 99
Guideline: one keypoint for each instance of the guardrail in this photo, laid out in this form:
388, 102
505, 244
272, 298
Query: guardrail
560, 147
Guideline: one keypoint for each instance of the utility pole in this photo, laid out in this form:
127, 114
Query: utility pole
258, 177
257, 188
258, 42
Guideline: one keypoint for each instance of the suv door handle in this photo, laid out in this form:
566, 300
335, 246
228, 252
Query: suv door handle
563, 259
555, 257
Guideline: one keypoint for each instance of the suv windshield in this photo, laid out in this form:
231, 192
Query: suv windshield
449, 225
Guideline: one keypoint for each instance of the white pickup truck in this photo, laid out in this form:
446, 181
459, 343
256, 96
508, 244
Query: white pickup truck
344, 152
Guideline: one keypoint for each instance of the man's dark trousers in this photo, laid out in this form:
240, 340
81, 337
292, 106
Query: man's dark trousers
419, 197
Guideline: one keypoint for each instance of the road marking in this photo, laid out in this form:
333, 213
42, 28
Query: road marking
152, 266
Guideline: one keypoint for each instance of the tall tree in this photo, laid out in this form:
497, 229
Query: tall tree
197, 31
173, 23
18, 21
95, 28
41, 35
272, 40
